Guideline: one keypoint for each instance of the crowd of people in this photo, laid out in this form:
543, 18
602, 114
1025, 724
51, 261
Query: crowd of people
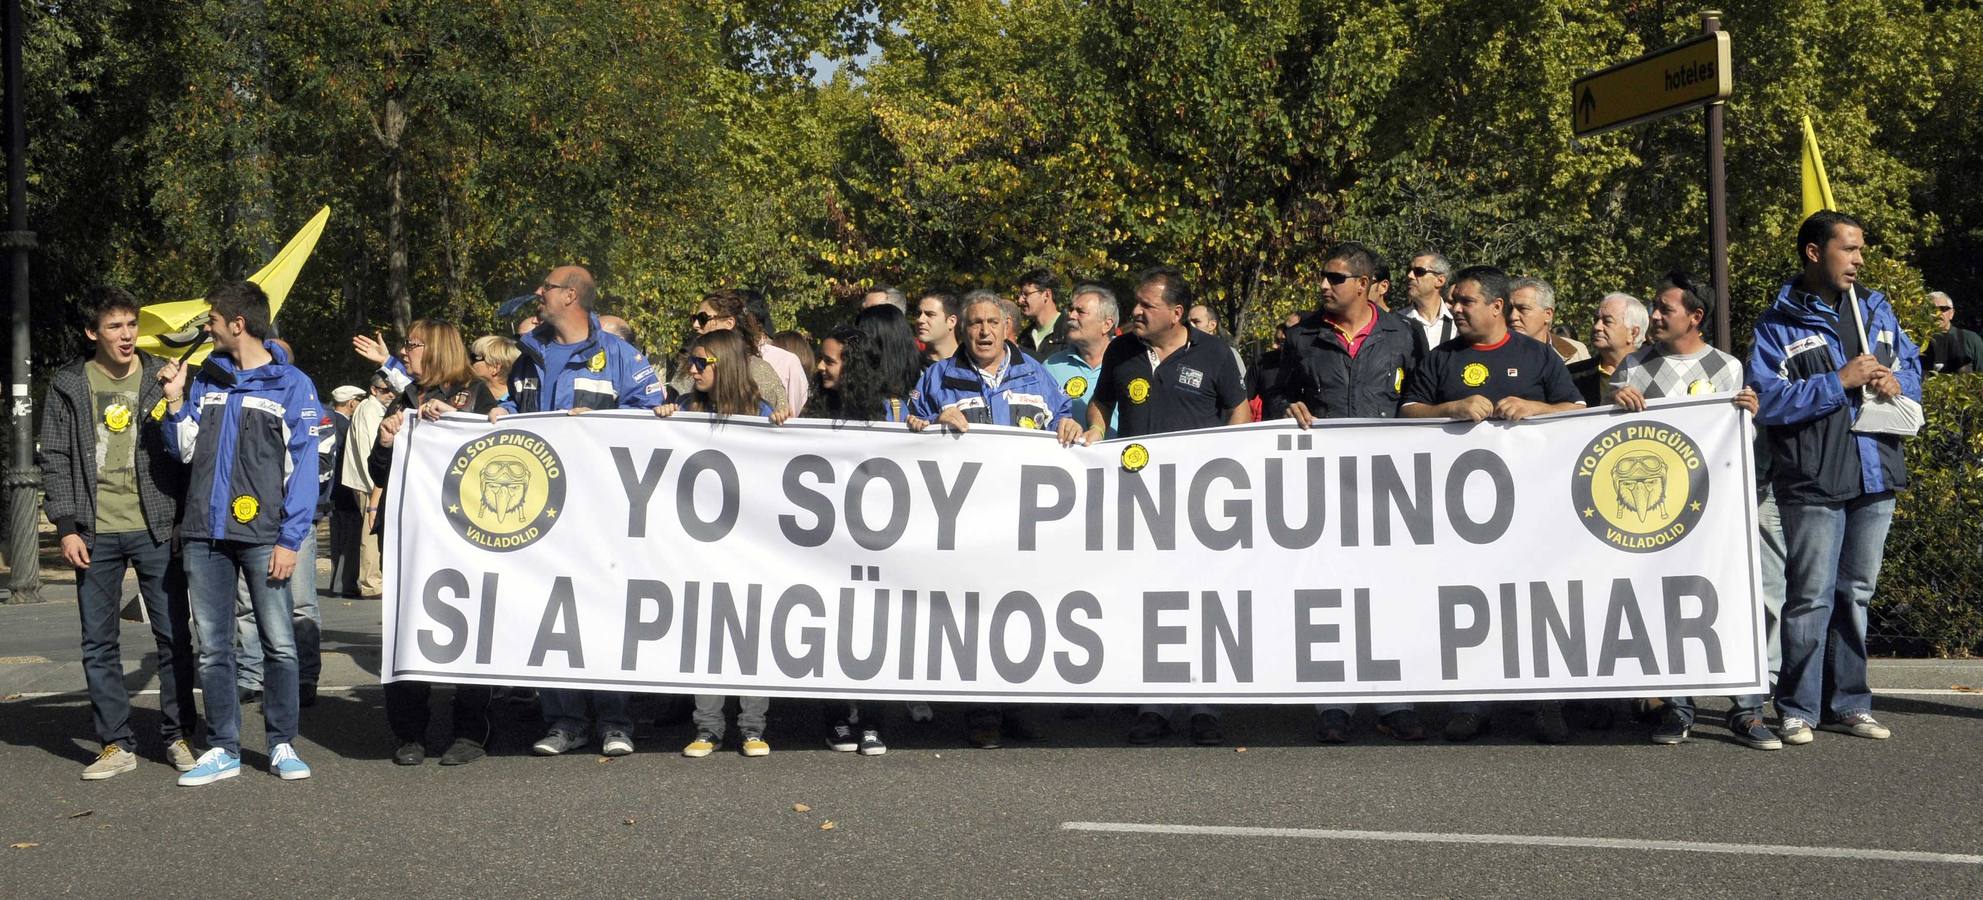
210, 481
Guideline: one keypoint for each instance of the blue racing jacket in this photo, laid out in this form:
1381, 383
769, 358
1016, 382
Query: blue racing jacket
250, 439
600, 372
1026, 396
1800, 345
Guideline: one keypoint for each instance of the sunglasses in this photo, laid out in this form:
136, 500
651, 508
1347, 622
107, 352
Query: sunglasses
702, 318
554, 286
475, 357
701, 363
1943, 309
1420, 271
1335, 278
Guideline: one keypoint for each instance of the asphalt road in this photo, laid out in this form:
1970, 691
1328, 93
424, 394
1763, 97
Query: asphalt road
936, 818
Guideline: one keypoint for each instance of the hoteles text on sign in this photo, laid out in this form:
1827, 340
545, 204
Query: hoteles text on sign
1586, 554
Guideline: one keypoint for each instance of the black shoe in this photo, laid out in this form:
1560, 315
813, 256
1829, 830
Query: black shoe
1205, 730
1466, 726
1672, 728
250, 695
1149, 729
1021, 727
306, 695
1403, 725
984, 732
1334, 727
1549, 725
410, 753
462, 752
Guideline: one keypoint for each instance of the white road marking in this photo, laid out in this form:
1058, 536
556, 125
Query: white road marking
1532, 840
83, 695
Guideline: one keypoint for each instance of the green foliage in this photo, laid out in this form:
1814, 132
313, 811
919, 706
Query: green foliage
1932, 582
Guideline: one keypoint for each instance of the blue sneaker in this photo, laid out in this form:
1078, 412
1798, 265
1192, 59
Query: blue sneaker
214, 765
284, 764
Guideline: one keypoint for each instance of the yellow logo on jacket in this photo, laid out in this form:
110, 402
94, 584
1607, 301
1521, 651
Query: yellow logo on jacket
158, 412
597, 363
1077, 386
1474, 375
1139, 390
245, 508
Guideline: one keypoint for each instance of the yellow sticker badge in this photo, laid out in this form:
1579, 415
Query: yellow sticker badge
1398, 383
1135, 457
1027, 422
1077, 386
117, 418
158, 412
1700, 386
245, 508
597, 363
1139, 390
1474, 375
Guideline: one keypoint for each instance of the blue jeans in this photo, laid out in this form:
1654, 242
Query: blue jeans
1769, 525
567, 710
213, 568
99, 599
1831, 568
305, 621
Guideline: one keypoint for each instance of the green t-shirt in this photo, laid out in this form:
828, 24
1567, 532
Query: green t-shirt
117, 417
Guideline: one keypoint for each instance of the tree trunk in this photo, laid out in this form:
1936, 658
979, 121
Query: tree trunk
398, 293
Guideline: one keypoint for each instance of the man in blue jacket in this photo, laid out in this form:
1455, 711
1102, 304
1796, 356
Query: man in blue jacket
247, 427
568, 363
1820, 350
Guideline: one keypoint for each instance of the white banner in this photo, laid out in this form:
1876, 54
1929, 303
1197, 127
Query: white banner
1588, 554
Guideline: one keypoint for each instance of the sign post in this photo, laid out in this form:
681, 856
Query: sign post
1696, 72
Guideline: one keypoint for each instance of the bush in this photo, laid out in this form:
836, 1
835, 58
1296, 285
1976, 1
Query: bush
1930, 597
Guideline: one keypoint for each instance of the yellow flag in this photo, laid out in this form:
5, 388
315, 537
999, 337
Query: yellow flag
1817, 188
167, 329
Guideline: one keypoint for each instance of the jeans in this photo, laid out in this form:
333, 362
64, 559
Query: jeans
99, 599
1770, 541
750, 713
306, 618
1831, 568
565, 709
213, 569
407, 711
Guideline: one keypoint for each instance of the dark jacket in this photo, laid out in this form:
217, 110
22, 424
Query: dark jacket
1055, 341
250, 442
1801, 343
68, 453
1316, 370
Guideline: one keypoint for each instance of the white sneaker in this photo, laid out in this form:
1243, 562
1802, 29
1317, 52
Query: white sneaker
113, 761
1859, 724
1795, 731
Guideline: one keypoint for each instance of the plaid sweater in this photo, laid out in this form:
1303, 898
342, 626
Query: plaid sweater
67, 453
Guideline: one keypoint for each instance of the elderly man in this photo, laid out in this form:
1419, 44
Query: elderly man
1618, 330
885, 293
1952, 349
1532, 311
1425, 288
1091, 318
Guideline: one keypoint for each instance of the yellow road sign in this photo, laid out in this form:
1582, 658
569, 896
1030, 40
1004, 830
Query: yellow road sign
1657, 84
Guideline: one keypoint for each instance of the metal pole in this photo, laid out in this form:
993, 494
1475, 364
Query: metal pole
23, 476
1717, 204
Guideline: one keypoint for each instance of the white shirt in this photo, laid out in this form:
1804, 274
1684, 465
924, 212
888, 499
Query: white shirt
1437, 331
358, 444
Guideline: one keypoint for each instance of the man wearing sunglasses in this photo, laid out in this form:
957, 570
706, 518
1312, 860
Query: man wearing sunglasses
1350, 359
1952, 349
570, 363
1425, 288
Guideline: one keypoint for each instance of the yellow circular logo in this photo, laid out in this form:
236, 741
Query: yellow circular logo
1077, 386
116, 417
1139, 390
504, 490
1474, 375
1640, 487
245, 507
1027, 422
1700, 386
158, 412
1135, 457
597, 363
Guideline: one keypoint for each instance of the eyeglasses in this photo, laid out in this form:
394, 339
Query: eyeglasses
414, 345
1339, 277
701, 363
554, 286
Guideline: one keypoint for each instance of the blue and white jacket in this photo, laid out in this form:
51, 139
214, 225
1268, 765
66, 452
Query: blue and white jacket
1816, 457
1027, 395
601, 372
250, 439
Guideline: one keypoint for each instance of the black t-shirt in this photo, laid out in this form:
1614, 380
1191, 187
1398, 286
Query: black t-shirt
1519, 366
1195, 387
